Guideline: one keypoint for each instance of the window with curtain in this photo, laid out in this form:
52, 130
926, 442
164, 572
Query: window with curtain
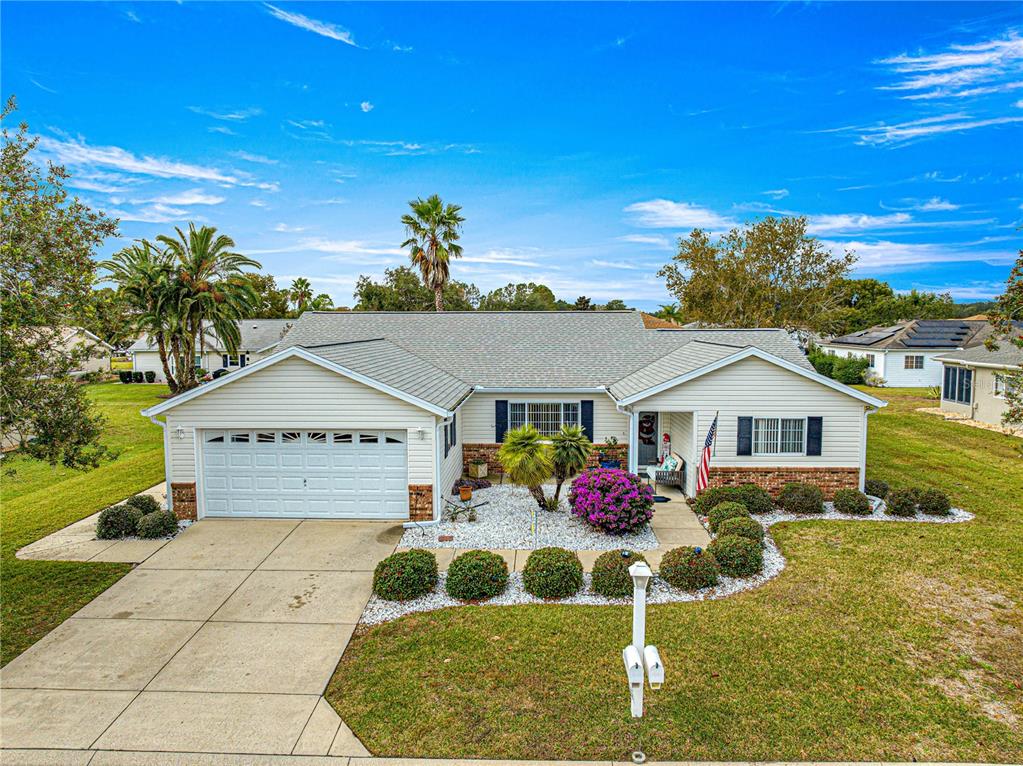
545, 417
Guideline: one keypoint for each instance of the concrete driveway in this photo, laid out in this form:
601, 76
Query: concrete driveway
222, 641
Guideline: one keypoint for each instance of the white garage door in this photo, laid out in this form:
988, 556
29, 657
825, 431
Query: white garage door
353, 474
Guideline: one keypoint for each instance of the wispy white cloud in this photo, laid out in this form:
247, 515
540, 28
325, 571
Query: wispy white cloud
41, 86
257, 158
306, 124
934, 204
190, 197
259, 203
230, 115
132, 16
506, 256
401, 48
970, 291
776, 194
322, 28
667, 214
654, 240
78, 153
366, 106
337, 249
151, 214
887, 255
625, 265
330, 201
899, 133
844, 223
222, 129
283, 227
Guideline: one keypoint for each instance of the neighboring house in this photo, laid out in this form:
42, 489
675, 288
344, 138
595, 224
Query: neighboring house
99, 351
905, 354
376, 415
258, 339
974, 381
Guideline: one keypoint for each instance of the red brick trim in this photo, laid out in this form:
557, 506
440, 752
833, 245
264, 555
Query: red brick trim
183, 500
773, 479
488, 452
420, 502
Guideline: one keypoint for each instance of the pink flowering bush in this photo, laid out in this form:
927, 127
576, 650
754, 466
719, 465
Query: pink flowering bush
612, 499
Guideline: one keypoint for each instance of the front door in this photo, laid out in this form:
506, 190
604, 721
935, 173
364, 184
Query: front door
647, 452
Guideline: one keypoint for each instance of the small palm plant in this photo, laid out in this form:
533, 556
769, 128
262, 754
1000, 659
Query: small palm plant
527, 460
570, 450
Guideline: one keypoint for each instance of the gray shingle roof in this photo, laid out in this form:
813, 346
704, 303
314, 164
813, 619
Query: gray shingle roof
1007, 355
256, 334
692, 356
519, 349
393, 366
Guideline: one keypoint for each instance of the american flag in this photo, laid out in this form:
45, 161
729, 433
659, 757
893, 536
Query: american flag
708, 445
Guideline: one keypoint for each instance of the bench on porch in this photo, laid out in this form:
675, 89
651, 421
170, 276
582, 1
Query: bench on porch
673, 478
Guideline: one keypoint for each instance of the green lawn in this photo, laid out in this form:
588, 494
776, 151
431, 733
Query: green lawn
37, 499
877, 642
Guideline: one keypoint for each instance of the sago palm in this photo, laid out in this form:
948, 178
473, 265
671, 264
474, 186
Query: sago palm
570, 451
433, 230
527, 460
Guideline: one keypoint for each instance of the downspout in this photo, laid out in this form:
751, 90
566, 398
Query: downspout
867, 412
166, 460
436, 480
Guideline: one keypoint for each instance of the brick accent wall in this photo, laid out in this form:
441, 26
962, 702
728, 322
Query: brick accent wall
420, 502
488, 452
774, 479
183, 500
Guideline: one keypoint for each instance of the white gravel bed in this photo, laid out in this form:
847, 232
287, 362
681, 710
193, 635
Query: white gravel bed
505, 523
379, 611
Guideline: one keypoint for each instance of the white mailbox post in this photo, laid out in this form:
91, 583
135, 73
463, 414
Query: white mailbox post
639, 658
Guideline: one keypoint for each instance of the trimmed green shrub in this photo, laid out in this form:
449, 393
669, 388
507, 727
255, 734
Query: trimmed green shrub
611, 576
726, 510
850, 370
150, 376
743, 526
405, 575
934, 502
852, 501
145, 503
901, 502
876, 487
738, 556
714, 496
802, 498
124, 376
552, 573
157, 524
137, 377
756, 499
119, 521
690, 568
477, 576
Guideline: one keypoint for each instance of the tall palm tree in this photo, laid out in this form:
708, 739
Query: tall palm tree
433, 231
301, 293
146, 280
214, 292
671, 312
527, 460
570, 450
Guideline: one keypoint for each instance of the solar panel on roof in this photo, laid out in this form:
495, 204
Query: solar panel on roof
914, 343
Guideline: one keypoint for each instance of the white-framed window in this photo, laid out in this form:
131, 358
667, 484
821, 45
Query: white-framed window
545, 417
957, 385
779, 436
870, 359
198, 360
913, 362
1002, 385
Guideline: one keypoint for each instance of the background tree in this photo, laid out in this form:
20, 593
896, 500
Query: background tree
615, 304
1007, 318
671, 312
582, 303
301, 294
764, 274
271, 302
321, 302
521, 297
433, 230
46, 278
403, 290
110, 317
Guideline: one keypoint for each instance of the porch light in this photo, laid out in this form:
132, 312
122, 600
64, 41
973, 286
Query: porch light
179, 432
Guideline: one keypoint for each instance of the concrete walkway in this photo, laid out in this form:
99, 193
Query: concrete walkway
222, 641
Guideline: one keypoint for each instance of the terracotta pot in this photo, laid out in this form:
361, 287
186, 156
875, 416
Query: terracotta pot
465, 494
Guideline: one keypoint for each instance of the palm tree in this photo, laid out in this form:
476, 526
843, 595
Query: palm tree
671, 312
146, 281
570, 450
301, 293
433, 230
214, 292
526, 460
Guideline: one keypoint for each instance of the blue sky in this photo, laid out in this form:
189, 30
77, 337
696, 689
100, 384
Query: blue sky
580, 139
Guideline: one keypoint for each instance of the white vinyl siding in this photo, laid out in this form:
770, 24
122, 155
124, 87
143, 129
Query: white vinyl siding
476, 416
759, 389
451, 466
298, 395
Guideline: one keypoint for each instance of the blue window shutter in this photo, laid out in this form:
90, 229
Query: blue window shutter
447, 439
242, 360
814, 433
586, 417
454, 430
500, 419
224, 358
744, 440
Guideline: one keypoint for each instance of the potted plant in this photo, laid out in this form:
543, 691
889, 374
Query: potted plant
465, 493
478, 468
607, 458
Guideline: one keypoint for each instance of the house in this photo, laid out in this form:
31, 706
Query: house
95, 351
974, 381
376, 415
258, 338
905, 354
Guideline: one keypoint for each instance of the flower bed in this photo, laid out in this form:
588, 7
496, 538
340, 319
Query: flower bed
506, 520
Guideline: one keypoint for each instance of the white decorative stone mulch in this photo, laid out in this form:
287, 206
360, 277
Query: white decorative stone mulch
379, 611
505, 523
